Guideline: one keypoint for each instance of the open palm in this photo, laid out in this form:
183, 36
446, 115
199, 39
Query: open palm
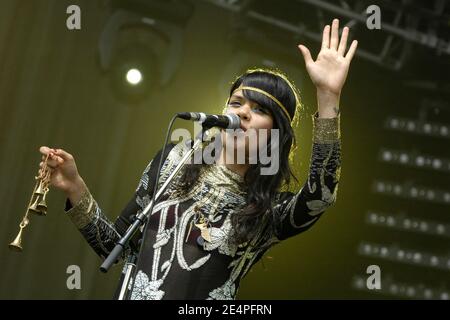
330, 69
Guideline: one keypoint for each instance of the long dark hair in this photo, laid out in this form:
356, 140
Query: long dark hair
261, 189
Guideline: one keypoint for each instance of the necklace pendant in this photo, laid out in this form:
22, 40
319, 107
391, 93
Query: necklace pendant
206, 234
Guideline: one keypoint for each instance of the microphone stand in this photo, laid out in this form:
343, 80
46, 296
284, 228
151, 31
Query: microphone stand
141, 219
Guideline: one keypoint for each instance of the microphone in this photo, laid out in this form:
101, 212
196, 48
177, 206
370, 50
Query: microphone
225, 121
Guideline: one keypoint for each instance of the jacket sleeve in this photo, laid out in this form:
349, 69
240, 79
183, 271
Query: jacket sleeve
298, 212
102, 234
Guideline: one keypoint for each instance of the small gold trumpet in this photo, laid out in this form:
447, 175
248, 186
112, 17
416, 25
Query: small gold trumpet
37, 204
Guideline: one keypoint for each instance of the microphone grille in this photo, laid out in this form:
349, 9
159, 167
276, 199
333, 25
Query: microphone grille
235, 121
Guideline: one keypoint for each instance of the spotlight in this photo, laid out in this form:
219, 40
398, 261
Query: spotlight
417, 127
403, 255
404, 290
141, 46
406, 190
414, 159
134, 76
434, 261
134, 73
407, 223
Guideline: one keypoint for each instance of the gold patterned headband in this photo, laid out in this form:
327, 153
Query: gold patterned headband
271, 97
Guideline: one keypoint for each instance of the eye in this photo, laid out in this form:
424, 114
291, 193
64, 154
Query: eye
234, 104
259, 109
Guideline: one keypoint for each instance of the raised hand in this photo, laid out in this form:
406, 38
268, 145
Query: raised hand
329, 71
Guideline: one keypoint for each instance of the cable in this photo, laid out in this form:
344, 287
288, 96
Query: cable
155, 186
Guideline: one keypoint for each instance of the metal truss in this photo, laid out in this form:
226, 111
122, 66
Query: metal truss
404, 24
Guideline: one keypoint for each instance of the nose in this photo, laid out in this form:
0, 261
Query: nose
244, 112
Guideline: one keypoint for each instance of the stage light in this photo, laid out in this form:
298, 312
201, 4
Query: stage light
434, 260
417, 127
399, 289
447, 197
394, 123
411, 292
404, 158
406, 190
367, 249
403, 255
394, 288
420, 161
411, 126
406, 223
387, 156
414, 159
141, 46
359, 283
134, 76
423, 226
440, 229
437, 163
417, 257
390, 221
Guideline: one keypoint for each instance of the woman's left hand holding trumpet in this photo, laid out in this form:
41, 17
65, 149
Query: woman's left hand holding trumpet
64, 172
